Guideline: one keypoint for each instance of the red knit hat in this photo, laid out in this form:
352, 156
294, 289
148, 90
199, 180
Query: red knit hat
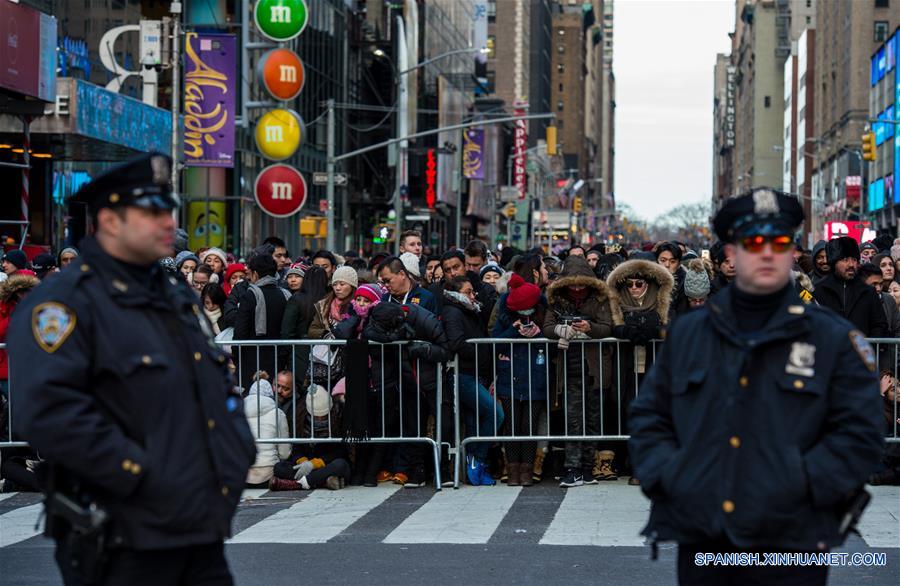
522, 295
369, 292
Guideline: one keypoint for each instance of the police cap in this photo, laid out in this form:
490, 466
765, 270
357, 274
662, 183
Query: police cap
761, 212
144, 182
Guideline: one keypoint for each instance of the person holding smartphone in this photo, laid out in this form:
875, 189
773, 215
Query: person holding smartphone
579, 311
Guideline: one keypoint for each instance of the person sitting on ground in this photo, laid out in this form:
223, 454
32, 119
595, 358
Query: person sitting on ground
315, 465
266, 422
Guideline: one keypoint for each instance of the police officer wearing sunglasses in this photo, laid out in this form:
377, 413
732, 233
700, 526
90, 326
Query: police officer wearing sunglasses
759, 422
119, 385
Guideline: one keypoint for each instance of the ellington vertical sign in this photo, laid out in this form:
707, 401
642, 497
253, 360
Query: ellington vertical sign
520, 144
209, 100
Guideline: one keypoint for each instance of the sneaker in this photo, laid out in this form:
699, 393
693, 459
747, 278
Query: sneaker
572, 478
399, 478
416, 480
485, 478
384, 476
588, 477
333, 483
277, 484
473, 471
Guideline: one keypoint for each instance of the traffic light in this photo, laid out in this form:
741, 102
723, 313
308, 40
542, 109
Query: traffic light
551, 140
868, 147
576, 205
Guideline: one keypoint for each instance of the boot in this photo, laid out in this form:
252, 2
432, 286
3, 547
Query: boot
514, 474
603, 469
525, 472
276, 484
537, 470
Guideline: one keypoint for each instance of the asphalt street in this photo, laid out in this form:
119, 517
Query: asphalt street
485, 535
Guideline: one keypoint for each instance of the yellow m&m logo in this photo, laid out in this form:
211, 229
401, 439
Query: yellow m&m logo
279, 133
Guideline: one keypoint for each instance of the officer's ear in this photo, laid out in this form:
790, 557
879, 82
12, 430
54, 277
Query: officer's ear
109, 220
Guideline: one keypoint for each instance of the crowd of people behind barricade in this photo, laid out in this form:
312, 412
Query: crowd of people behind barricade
435, 304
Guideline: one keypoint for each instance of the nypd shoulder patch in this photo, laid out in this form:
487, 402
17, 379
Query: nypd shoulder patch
51, 324
863, 348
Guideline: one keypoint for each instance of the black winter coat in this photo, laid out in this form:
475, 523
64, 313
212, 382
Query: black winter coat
460, 324
122, 386
756, 440
856, 302
418, 324
245, 329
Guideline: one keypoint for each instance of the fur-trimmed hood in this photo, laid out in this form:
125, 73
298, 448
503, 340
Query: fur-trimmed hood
651, 271
15, 284
577, 272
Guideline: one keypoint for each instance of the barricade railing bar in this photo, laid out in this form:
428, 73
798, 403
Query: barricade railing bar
515, 391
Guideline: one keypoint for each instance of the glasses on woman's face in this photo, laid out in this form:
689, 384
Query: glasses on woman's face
636, 283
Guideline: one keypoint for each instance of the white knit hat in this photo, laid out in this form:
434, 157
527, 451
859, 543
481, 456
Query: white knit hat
411, 264
318, 401
345, 275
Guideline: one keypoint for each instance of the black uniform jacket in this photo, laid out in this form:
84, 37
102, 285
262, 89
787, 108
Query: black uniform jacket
120, 384
756, 440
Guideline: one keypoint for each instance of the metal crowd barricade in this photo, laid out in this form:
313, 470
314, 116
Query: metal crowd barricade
554, 368
624, 385
887, 356
259, 351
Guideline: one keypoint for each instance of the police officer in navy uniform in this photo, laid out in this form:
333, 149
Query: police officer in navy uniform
120, 386
760, 420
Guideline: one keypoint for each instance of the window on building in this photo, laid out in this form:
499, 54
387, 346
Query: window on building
560, 87
561, 68
809, 3
491, 80
559, 106
561, 48
767, 101
491, 43
808, 20
492, 10
882, 3
881, 31
561, 32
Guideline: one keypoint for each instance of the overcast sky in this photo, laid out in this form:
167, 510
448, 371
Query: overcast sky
664, 55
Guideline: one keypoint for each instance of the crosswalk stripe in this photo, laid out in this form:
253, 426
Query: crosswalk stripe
880, 523
610, 514
457, 516
6, 495
253, 493
19, 524
318, 517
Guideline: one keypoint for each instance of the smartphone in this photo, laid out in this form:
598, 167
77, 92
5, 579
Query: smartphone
704, 254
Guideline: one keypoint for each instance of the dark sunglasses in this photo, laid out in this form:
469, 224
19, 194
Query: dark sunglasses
636, 283
756, 244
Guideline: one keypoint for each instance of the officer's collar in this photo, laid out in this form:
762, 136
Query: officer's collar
118, 281
787, 320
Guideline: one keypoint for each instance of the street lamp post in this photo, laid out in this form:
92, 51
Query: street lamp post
402, 109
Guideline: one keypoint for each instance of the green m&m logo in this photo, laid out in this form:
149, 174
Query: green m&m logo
281, 20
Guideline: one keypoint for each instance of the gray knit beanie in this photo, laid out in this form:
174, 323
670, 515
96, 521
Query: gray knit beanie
696, 284
347, 275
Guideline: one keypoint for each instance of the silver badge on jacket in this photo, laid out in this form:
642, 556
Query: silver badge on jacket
801, 360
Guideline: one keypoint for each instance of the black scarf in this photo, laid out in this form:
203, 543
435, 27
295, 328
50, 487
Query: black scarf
356, 399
